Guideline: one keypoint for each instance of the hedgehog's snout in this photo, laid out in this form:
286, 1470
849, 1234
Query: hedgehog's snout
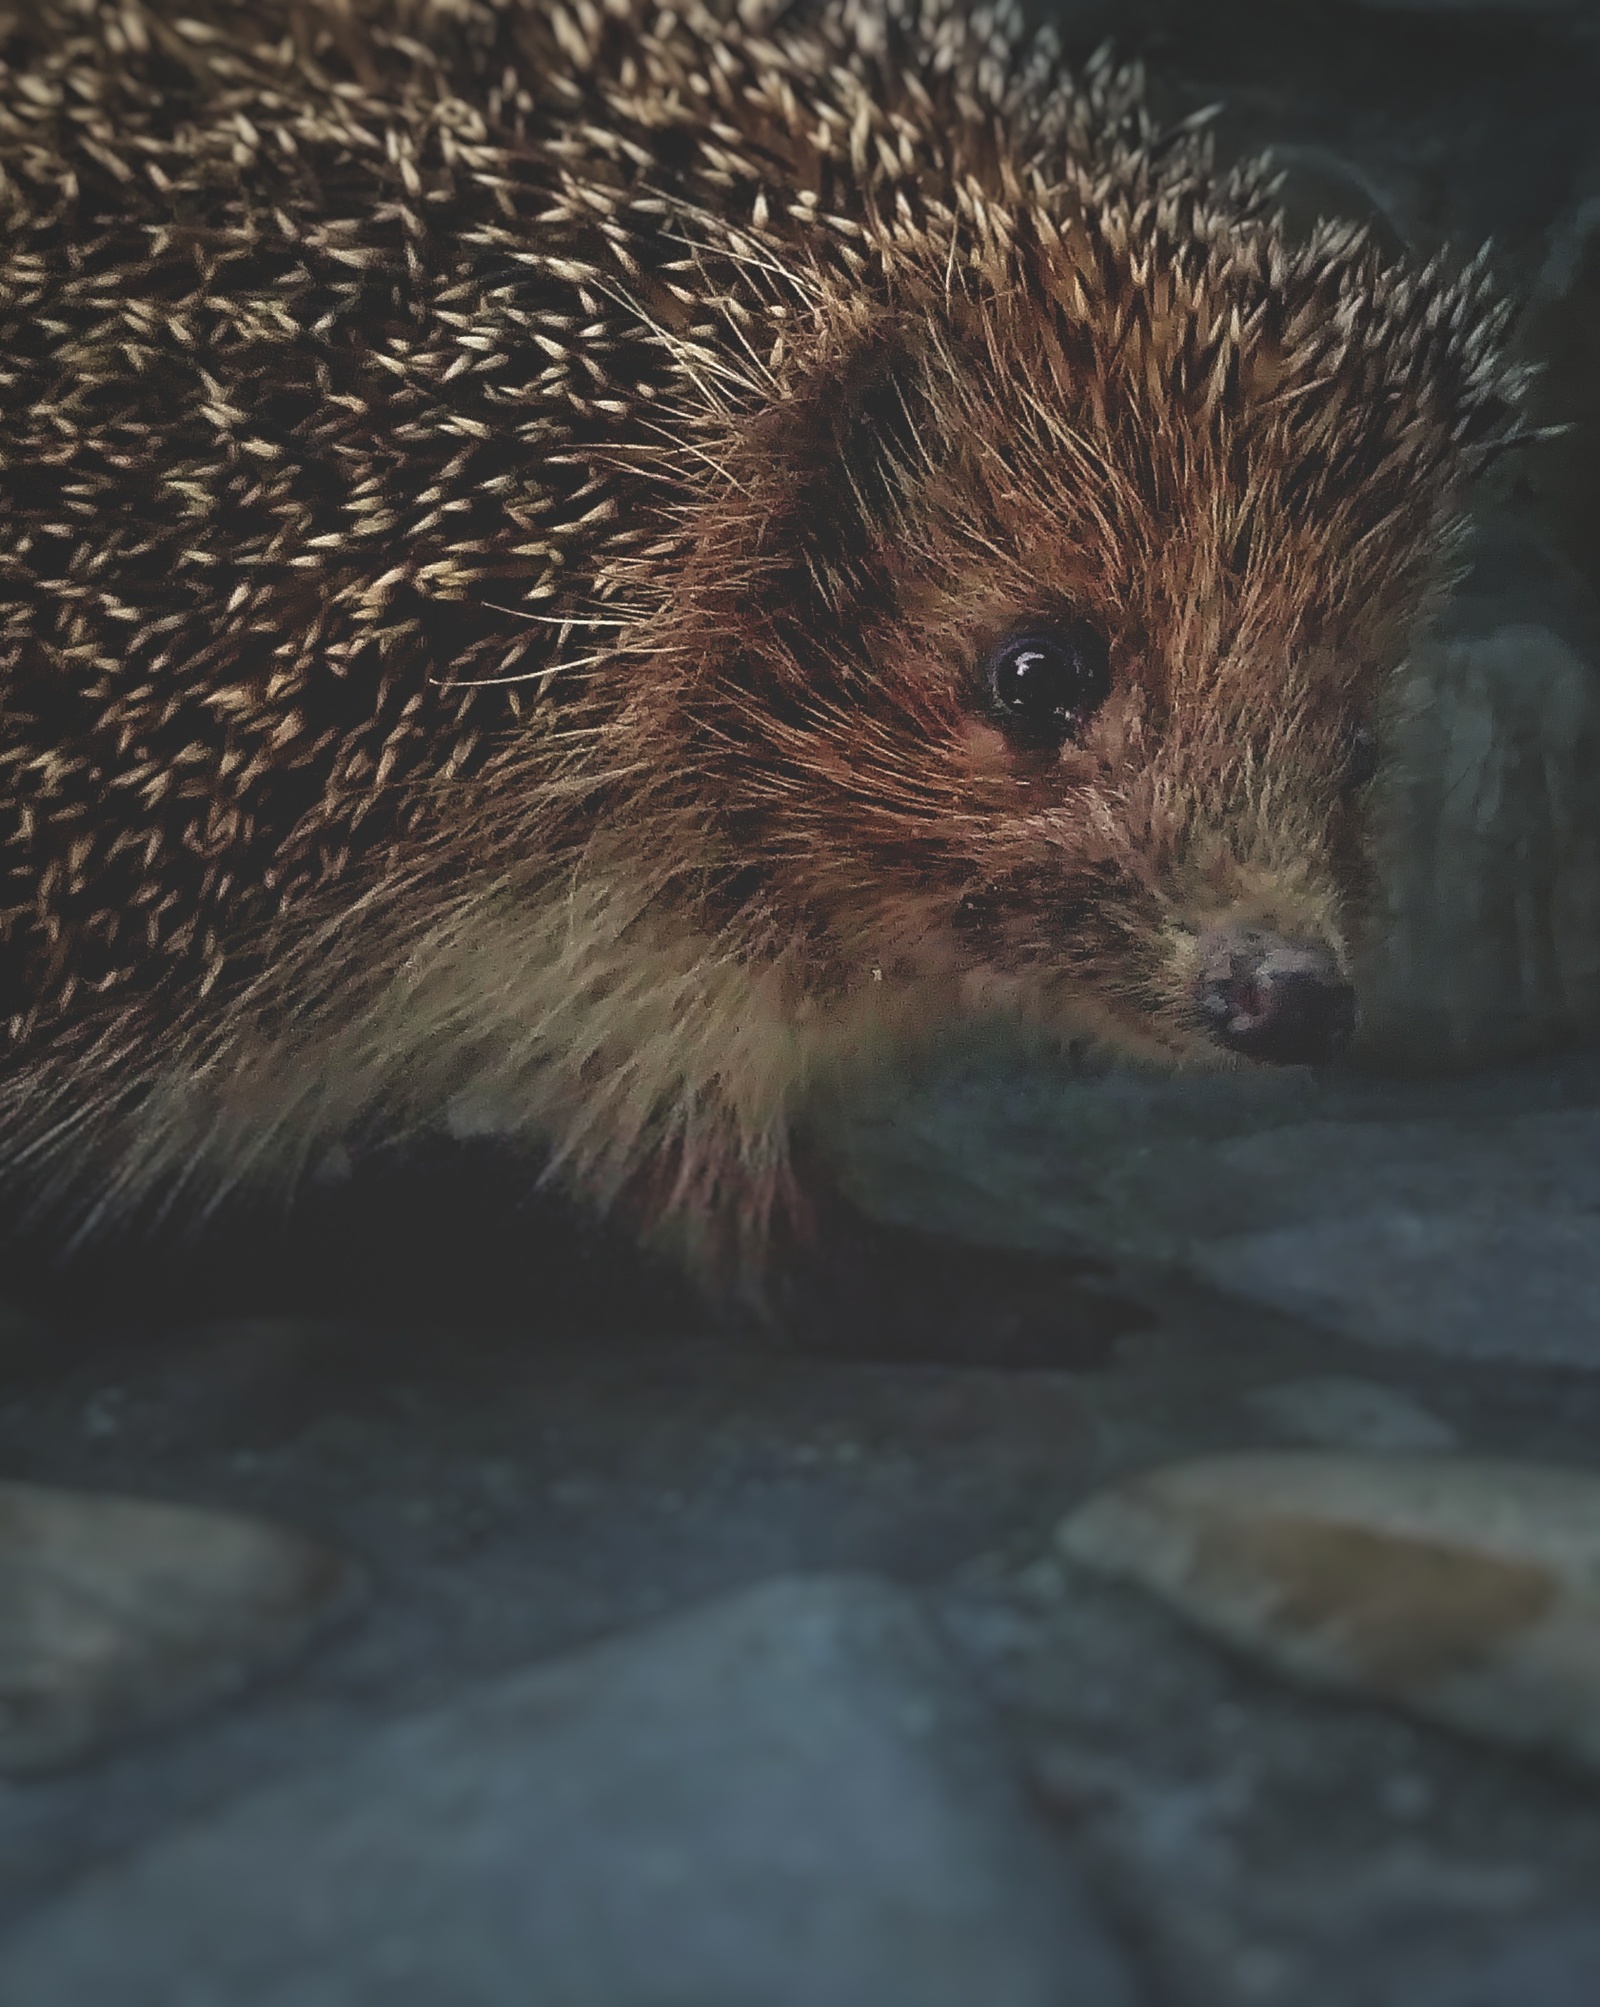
1285, 1002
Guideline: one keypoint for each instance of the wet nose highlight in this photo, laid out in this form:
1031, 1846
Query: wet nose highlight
1284, 1002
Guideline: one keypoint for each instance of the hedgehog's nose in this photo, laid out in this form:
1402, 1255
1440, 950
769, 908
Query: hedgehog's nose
1266, 998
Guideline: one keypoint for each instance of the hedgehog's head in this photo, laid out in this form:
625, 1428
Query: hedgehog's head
1035, 645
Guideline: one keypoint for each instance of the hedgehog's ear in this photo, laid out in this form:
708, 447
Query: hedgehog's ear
877, 426
805, 539
848, 454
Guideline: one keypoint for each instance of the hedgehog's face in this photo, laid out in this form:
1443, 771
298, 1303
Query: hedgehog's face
1204, 878
1140, 808
1051, 679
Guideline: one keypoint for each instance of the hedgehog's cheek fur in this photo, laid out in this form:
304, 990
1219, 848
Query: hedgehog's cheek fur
661, 1066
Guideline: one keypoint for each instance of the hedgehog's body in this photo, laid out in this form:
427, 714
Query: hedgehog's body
524, 538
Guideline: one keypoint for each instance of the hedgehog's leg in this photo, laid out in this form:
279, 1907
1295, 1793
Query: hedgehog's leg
771, 1245
861, 1288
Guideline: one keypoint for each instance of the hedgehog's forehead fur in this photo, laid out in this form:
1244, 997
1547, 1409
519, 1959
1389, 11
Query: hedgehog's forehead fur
521, 494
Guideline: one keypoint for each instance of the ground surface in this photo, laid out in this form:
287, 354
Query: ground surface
690, 1670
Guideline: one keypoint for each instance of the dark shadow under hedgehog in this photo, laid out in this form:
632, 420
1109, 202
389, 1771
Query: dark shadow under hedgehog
611, 565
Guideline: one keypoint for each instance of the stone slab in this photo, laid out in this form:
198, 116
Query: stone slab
1557, 1965
1338, 1412
785, 1797
1513, 1283
118, 1614
1441, 1217
1466, 1590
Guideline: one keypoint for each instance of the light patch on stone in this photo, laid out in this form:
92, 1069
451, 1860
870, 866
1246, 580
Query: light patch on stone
1465, 1590
117, 1614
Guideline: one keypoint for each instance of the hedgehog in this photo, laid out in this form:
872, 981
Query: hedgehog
615, 564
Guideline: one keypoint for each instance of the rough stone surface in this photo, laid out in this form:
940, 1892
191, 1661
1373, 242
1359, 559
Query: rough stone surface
1265, 1845
1483, 1279
524, 1467
1456, 1217
1464, 1589
1351, 1414
117, 1614
1559, 1968
785, 1798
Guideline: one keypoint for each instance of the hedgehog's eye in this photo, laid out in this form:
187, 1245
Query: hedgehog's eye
1360, 757
1045, 683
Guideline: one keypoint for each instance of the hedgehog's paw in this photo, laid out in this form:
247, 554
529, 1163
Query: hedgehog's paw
870, 1291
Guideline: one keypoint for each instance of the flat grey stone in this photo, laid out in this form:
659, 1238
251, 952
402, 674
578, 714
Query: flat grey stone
1451, 1218
783, 1798
1463, 1589
117, 1614
1557, 1966
1475, 1283
1343, 1413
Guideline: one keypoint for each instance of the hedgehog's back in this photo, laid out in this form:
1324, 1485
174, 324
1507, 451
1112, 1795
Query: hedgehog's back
284, 480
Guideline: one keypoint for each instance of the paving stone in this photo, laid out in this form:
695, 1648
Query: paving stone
1555, 1966
1443, 1217
1354, 1414
1484, 1282
1266, 1849
783, 1797
117, 1614
1465, 1590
